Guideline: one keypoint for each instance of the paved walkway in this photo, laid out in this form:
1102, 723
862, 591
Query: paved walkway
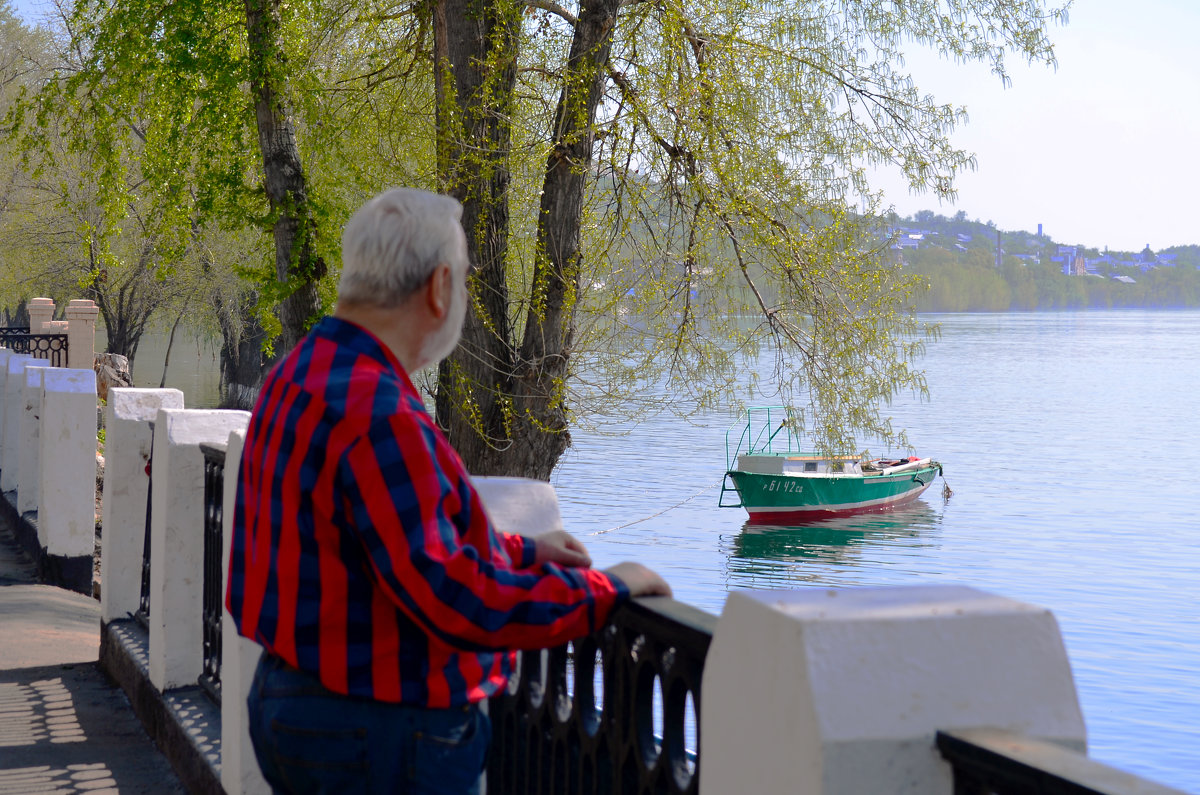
64, 728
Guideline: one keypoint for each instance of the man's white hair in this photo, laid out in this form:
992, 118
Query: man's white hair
392, 244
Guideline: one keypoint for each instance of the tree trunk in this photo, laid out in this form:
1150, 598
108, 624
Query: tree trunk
243, 364
126, 313
520, 417
476, 45
540, 399
298, 266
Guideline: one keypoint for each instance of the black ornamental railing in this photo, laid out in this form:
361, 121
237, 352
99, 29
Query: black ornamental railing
993, 762
618, 711
142, 616
214, 489
51, 347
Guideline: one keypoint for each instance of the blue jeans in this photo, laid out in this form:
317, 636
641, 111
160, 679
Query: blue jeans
309, 739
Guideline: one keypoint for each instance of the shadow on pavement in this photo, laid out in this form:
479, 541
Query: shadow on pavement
67, 729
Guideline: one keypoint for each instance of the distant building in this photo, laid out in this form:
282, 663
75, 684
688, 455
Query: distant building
1074, 263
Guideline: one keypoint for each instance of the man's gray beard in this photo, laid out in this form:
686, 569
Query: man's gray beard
440, 344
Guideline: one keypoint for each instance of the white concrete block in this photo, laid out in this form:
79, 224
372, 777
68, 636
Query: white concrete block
177, 540
29, 446
239, 657
841, 691
126, 489
522, 506
67, 509
14, 407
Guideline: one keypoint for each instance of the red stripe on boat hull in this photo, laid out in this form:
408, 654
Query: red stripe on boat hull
786, 516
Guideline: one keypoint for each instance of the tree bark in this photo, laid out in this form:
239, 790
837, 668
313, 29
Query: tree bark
476, 46
540, 398
243, 363
505, 410
298, 266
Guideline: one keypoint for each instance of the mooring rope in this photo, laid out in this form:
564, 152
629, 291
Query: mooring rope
709, 487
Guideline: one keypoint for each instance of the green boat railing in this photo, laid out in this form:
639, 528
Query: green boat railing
761, 439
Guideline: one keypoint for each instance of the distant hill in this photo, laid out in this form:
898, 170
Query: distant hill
973, 266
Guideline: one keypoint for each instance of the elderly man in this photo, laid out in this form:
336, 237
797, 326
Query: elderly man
363, 561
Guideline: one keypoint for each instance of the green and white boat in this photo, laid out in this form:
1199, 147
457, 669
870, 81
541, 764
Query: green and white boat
778, 483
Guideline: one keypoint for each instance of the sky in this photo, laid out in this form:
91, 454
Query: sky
1102, 151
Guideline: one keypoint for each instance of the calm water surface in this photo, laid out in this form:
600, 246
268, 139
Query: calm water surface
1066, 439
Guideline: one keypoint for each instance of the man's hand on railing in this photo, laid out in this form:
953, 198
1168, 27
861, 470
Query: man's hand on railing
559, 546
640, 580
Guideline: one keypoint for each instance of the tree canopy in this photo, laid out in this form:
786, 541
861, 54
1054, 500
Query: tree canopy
658, 193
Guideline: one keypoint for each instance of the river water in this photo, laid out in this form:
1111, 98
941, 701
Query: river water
1065, 438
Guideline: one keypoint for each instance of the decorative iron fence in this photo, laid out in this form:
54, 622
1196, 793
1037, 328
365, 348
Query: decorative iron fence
993, 762
618, 711
214, 488
142, 616
51, 347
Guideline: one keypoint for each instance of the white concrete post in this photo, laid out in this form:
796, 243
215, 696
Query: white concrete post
14, 407
41, 310
239, 657
5, 355
519, 505
126, 488
29, 454
67, 510
835, 692
177, 540
81, 333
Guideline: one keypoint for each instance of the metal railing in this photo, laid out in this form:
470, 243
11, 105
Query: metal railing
618, 711
142, 616
214, 489
51, 347
994, 762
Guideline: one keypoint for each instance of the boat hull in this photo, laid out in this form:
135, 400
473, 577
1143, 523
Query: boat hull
792, 498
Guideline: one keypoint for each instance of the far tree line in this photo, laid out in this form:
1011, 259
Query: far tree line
959, 272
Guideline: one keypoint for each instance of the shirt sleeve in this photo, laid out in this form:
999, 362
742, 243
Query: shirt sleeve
522, 551
409, 507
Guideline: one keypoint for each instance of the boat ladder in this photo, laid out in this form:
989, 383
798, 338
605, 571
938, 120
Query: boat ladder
726, 487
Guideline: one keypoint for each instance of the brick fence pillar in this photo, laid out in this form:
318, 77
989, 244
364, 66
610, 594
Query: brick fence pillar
41, 310
81, 333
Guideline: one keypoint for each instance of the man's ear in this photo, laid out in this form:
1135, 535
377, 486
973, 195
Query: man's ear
440, 291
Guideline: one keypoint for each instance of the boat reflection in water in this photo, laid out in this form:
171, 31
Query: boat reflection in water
836, 551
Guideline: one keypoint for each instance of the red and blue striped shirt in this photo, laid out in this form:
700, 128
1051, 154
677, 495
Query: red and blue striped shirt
361, 552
